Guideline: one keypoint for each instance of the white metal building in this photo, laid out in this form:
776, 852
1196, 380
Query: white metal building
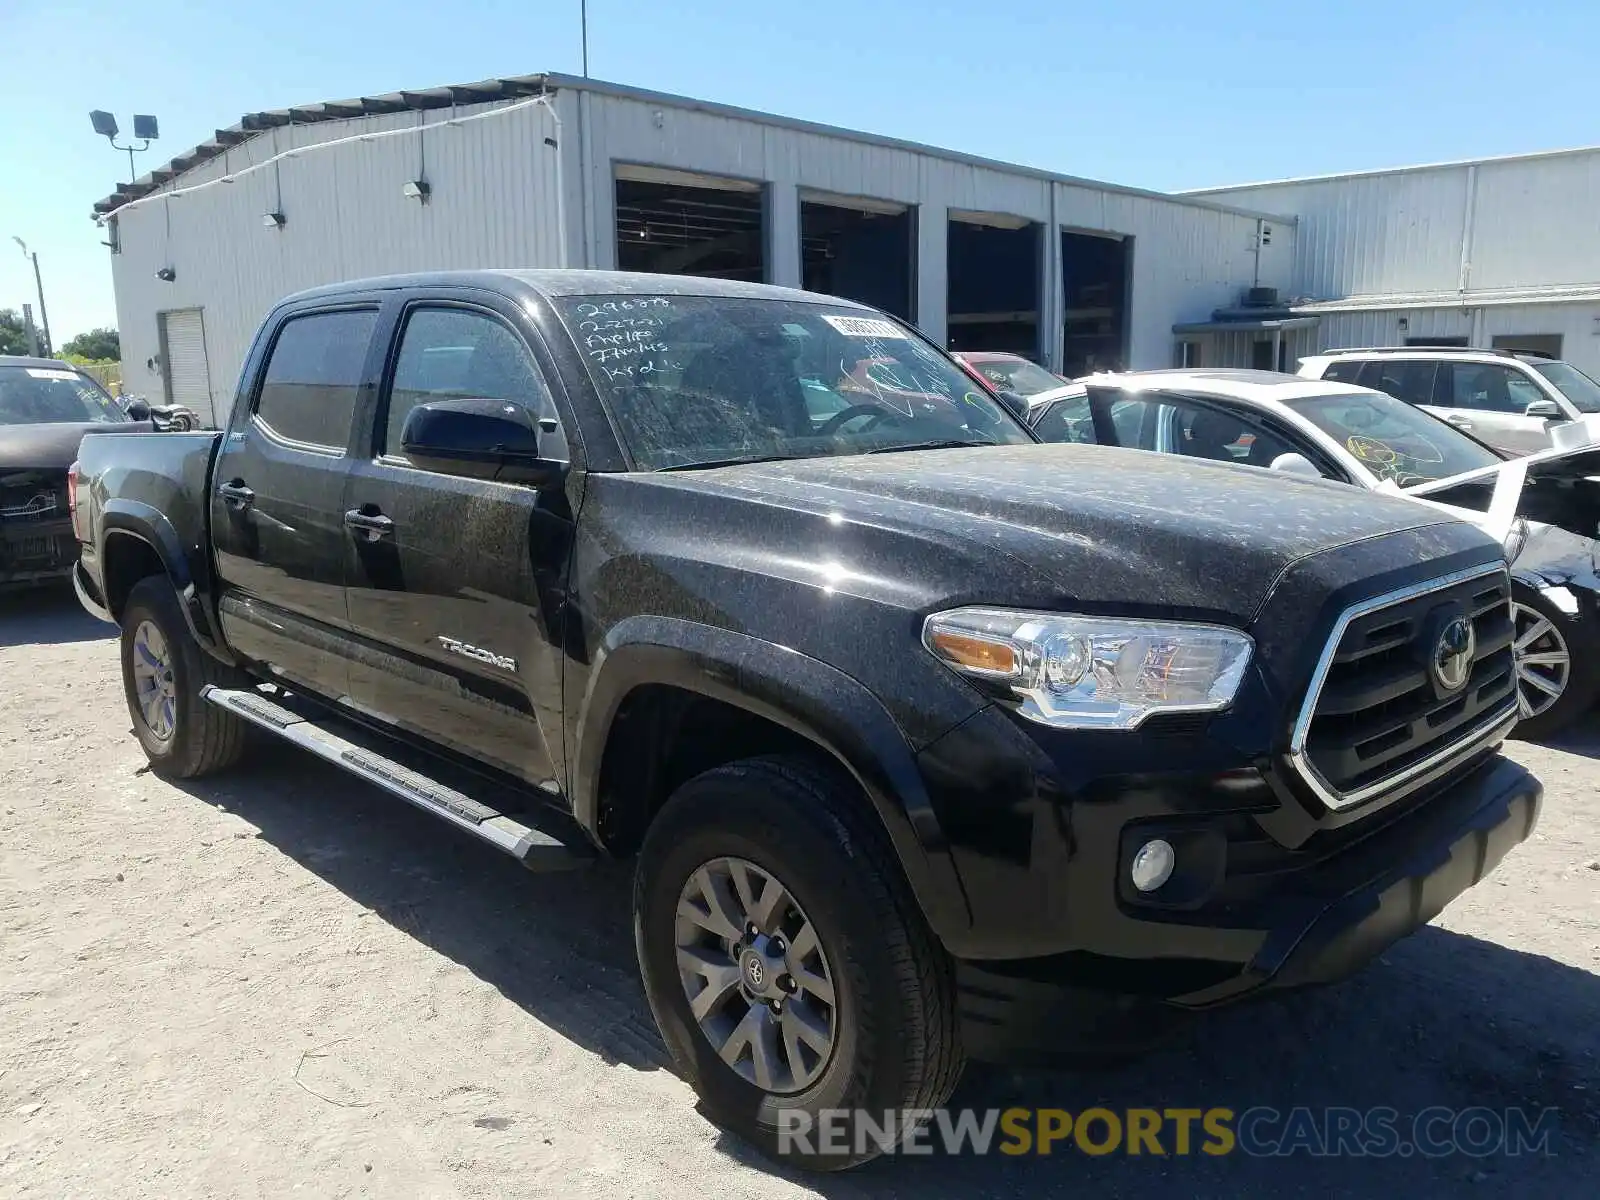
1500, 252
550, 170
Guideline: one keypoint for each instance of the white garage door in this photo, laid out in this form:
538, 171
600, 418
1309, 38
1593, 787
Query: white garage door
183, 341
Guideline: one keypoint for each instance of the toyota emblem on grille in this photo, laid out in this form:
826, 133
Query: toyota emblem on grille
1452, 655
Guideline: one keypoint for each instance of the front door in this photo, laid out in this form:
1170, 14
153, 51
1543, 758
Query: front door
1490, 401
277, 488
456, 596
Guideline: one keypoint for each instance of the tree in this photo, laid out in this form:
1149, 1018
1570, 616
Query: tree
13, 334
97, 345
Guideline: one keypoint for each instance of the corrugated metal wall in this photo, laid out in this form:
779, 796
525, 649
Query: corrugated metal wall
1187, 258
502, 174
495, 202
1512, 223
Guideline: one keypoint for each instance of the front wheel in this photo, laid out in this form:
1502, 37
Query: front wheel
787, 965
1557, 659
163, 670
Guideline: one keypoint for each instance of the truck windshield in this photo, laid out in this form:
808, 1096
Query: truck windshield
1392, 439
51, 395
710, 380
1571, 383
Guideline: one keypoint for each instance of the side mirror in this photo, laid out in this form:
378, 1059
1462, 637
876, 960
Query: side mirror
478, 439
1296, 464
1016, 404
138, 409
1547, 410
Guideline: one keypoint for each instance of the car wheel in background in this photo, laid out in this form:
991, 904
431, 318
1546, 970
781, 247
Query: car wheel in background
1557, 658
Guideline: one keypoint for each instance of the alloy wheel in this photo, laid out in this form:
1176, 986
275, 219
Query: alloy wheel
754, 971
1543, 661
154, 689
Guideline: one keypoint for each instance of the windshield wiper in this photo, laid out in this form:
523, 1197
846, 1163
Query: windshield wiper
945, 444
711, 463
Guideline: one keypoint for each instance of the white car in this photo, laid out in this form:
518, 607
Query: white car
1545, 508
1515, 400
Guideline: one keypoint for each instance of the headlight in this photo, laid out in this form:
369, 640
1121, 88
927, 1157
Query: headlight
1093, 672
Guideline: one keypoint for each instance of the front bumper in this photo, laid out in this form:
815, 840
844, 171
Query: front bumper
1327, 921
34, 552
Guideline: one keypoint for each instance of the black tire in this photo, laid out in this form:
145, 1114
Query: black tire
203, 737
897, 1045
1579, 632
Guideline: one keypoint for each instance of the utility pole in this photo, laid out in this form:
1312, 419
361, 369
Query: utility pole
38, 283
583, 10
30, 330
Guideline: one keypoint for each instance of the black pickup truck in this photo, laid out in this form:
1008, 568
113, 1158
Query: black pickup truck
931, 741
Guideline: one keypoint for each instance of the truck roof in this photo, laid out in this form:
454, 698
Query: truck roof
562, 282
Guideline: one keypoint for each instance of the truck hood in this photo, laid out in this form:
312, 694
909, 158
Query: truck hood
45, 447
1102, 528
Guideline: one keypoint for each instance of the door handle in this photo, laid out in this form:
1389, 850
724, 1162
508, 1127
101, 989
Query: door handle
236, 496
1459, 422
371, 526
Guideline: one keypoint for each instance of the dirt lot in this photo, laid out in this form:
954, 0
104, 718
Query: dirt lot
284, 982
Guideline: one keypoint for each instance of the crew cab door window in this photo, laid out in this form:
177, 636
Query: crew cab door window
457, 354
308, 392
1174, 425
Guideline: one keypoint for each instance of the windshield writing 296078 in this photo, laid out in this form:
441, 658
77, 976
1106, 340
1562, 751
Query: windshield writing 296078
623, 339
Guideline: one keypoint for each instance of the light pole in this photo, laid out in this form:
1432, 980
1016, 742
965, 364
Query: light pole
144, 128
38, 283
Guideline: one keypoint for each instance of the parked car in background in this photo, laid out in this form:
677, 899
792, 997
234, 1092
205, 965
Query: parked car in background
1010, 373
931, 741
1544, 509
1511, 399
46, 407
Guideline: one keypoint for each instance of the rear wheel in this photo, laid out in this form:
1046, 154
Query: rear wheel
786, 962
163, 670
1557, 656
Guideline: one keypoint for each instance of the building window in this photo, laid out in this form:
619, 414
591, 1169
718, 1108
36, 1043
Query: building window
1186, 353
1547, 344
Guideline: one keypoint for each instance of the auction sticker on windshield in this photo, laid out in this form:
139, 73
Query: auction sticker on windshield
50, 373
864, 327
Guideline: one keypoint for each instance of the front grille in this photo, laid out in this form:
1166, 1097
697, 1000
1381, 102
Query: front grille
1377, 713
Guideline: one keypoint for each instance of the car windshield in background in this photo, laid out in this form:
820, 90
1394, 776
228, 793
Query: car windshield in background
701, 381
50, 395
1571, 383
1017, 375
1393, 440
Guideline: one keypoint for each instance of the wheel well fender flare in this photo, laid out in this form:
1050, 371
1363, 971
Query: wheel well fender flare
818, 702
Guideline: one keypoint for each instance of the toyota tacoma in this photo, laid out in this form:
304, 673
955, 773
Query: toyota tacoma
930, 741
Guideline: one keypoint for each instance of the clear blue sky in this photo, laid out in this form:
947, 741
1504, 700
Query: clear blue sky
1155, 93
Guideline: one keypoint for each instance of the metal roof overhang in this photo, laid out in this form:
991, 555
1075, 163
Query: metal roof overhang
1264, 325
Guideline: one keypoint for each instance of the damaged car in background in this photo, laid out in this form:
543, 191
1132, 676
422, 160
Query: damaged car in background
46, 407
1544, 508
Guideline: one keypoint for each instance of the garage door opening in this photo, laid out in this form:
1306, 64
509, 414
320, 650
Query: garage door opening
1095, 273
860, 249
185, 372
676, 223
994, 271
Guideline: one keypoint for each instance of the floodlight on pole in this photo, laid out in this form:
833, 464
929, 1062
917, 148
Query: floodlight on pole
145, 130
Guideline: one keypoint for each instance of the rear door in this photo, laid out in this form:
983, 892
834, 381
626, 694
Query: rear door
457, 584
277, 490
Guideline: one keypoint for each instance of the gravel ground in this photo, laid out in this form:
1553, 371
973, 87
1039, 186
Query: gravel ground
283, 981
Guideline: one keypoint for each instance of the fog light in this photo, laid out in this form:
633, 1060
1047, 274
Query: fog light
1152, 866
